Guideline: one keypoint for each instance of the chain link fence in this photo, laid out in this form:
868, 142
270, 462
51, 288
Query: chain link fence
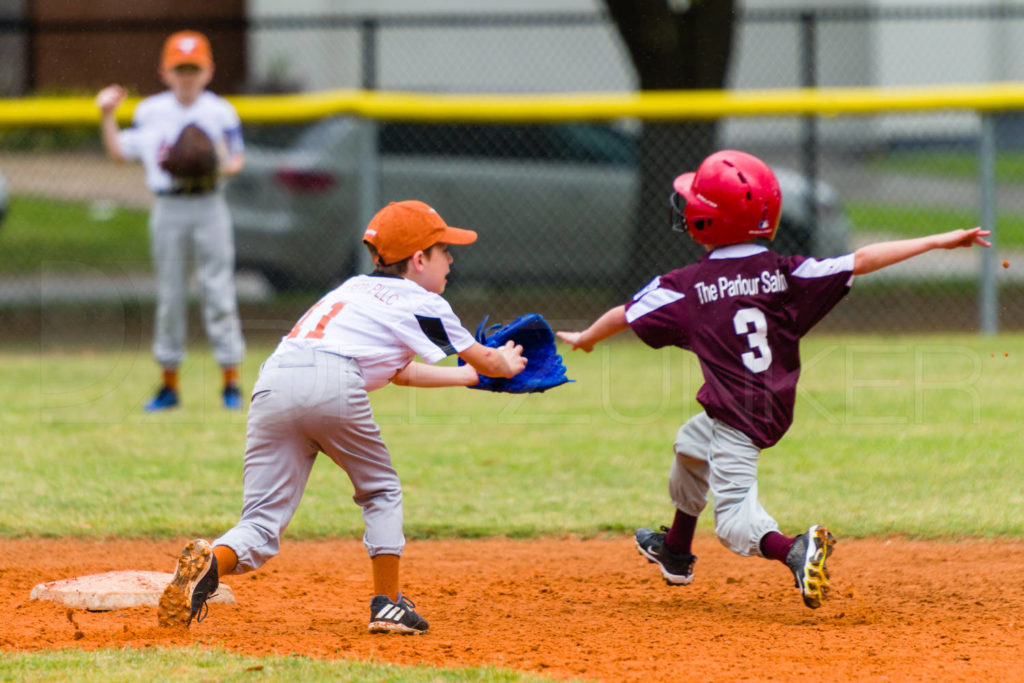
557, 206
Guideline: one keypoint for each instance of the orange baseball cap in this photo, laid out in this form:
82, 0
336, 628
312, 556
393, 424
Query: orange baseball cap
401, 229
187, 47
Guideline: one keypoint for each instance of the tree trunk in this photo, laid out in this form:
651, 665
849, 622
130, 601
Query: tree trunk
672, 48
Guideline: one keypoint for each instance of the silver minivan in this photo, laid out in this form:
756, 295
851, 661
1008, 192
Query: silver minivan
553, 204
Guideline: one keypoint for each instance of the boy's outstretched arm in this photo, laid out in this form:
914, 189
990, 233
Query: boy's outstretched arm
881, 254
422, 375
611, 323
506, 361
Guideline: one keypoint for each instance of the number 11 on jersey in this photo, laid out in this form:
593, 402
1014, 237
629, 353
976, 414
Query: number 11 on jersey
318, 331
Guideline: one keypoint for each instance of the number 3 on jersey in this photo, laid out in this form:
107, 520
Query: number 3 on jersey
757, 338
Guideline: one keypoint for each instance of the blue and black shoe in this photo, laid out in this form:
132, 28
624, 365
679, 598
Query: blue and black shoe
165, 399
232, 397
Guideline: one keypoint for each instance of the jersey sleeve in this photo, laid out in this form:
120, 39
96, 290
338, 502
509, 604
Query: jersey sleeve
817, 286
232, 129
434, 331
654, 314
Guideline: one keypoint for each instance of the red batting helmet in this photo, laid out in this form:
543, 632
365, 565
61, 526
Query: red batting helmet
732, 197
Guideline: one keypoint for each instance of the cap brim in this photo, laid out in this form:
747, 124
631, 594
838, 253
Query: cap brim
198, 65
198, 62
458, 236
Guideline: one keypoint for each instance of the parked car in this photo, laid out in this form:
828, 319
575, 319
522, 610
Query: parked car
549, 201
3, 198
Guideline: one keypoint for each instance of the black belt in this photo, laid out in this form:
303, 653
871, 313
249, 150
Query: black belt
191, 186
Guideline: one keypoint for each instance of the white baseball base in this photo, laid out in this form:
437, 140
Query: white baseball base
115, 590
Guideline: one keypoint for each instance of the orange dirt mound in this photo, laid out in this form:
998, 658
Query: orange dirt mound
566, 608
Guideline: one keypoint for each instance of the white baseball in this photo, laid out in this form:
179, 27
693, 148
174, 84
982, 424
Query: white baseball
109, 97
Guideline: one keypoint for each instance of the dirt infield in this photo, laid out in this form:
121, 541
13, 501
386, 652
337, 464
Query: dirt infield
566, 608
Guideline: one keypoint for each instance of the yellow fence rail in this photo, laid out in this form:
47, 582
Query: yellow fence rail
651, 106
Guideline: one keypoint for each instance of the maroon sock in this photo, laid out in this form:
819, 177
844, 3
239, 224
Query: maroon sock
679, 538
775, 546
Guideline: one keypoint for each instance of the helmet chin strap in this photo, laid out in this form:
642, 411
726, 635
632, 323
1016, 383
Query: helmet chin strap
676, 217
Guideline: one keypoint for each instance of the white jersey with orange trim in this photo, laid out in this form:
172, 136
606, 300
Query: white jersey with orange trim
189, 225
382, 322
158, 121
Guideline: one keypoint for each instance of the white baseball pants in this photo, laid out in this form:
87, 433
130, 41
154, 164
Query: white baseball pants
713, 456
201, 225
306, 402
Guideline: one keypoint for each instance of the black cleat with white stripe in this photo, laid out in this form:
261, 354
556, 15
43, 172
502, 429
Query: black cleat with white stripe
677, 570
395, 617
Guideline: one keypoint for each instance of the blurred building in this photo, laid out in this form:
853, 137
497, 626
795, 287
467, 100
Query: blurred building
62, 46
69, 46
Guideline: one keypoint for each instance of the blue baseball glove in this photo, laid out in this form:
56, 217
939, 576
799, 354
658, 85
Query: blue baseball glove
544, 367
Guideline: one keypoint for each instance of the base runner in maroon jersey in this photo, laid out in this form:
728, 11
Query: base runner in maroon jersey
742, 309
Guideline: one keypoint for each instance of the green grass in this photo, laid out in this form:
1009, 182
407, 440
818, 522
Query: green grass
900, 220
40, 231
45, 234
42, 234
63, 139
912, 436
1009, 166
899, 435
198, 664
907, 220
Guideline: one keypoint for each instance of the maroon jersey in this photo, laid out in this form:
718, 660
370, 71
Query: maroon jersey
743, 309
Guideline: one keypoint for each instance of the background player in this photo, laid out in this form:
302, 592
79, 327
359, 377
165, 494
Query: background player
742, 309
188, 213
311, 397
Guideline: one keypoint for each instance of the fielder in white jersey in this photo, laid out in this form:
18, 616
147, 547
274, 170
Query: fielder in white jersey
188, 214
742, 309
311, 397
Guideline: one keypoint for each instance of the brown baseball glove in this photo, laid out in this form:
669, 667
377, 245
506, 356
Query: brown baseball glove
192, 155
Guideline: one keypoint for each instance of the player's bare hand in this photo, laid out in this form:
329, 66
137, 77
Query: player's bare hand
514, 358
964, 238
573, 339
110, 98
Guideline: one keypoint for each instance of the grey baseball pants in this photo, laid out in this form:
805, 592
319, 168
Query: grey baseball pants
713, 456
306, 402
198, 224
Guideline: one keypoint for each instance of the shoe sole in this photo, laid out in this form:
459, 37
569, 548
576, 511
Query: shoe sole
816, 579
389, 627
175, 607
670, 578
